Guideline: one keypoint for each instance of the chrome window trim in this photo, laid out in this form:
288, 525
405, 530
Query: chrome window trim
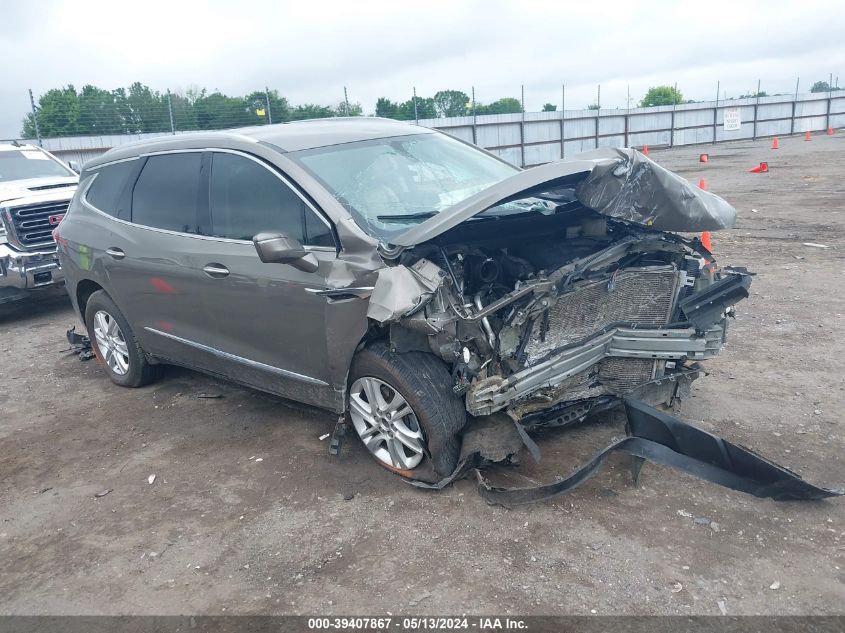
240, 359
114, 162
86, 203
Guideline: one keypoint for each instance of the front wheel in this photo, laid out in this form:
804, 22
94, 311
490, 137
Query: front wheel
403, 409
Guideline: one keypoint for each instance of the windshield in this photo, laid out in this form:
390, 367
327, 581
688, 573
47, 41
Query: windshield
28, 163
392, 183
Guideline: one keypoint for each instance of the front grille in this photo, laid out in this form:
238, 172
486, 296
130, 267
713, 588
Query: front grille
31, 223
641, 296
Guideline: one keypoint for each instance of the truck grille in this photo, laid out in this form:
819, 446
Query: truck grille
643, 296
30, 223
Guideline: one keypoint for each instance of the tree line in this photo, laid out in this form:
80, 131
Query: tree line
138, 109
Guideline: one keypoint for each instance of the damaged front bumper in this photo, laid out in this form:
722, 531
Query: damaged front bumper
495, 393
663, 439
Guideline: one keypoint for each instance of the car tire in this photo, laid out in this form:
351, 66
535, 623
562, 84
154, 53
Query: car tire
114, 343
425, 384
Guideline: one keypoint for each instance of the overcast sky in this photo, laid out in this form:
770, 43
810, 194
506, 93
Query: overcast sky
310, 50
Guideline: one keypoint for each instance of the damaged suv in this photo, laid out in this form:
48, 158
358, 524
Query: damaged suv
399, 277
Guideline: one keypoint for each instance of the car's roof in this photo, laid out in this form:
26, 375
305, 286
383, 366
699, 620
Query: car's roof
286, 137
322, 132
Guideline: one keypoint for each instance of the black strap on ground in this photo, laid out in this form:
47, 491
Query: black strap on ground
664, 439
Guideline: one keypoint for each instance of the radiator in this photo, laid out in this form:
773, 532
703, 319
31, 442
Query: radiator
642, 296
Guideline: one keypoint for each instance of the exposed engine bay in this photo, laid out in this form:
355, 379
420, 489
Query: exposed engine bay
547, 315
567, 291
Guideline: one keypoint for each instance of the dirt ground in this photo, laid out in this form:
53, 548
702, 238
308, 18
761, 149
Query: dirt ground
221, 531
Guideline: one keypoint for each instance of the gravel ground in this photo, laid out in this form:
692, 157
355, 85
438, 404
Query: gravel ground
247, 513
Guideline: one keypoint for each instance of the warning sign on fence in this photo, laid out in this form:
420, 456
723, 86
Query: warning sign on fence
731, 119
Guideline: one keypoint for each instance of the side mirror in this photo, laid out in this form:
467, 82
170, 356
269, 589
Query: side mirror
278, 248
73, 165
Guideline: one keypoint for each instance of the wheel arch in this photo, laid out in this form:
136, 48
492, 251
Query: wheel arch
83, 291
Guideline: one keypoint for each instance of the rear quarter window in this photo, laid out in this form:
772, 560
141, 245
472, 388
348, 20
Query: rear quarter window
109, 182
166, 193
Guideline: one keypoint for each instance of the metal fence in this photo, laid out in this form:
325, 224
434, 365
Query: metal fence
533, 138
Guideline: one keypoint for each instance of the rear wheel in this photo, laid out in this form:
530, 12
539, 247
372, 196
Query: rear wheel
403, 409
114, 343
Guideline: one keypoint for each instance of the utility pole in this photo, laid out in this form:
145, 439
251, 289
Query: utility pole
627, 112
35, 118
346, 100
474, 119
756, 108
829, 101
562, 122
672, 125
716, 112
522, 128
598, 114
416, 114
267, 99
170, 112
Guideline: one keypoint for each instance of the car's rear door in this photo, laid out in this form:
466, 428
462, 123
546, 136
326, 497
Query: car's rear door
270, 327
154, 258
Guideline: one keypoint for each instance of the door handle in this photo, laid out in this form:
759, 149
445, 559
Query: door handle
116, 253
217, 271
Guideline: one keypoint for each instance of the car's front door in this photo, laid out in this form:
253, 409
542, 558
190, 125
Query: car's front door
270, 326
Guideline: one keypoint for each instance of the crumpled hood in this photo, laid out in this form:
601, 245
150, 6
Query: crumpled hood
28, 188
619, 183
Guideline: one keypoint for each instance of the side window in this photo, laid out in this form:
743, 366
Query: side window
246, 198
165, 196
104, 193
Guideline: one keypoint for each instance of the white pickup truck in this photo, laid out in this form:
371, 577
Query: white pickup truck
35, 191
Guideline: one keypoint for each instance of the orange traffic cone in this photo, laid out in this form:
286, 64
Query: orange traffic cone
701, 185
830, 131
807, 136
705, 241
775, 143
762, 168
703, 158
645, 150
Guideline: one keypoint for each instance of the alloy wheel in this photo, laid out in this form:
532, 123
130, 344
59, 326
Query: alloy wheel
386, 423
110, 342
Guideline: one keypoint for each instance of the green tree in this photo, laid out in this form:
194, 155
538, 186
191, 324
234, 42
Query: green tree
593, 106
549, 107
256, 101
505, 105
58, 114
661, 95
450, 103
147, 110
217, 111
387, 108
311, 111
98, 111
425, 109
184, 110
823, 86
348, 109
